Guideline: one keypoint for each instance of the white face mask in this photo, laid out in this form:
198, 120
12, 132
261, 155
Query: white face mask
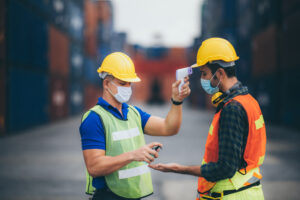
123, 94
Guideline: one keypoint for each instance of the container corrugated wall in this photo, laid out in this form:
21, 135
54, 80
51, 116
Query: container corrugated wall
28, 98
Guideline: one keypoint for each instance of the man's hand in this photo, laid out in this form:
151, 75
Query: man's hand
145, 153
185, 90
170, 167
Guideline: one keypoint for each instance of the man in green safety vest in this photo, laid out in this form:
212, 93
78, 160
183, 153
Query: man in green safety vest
112, 134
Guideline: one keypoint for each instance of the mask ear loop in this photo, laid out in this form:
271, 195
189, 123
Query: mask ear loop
110, 90
212, 78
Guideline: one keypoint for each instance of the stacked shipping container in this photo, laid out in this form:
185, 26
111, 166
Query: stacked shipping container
53, 51
266, 39
2, 68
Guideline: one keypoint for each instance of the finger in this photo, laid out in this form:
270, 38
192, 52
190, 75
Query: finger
155, 144
176, 84
149, 157
186, 78
147, 160
152, 152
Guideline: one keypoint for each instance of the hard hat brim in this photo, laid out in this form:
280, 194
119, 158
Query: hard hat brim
131, 80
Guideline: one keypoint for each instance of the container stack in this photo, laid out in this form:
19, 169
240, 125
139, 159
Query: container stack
27, 67
265, 35
49, 54
2, 68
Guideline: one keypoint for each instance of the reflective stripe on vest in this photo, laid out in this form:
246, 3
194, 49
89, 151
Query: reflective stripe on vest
133, 180
255, 148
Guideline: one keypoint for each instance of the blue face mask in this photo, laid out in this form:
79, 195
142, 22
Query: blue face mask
207, 86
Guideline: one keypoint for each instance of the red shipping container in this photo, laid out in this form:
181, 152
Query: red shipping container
166, 87
265, 52
90, 44
58, 52
141, 90
90, 32
59, 95
2, 100
104, 11
290, 41
91, 95
90, 15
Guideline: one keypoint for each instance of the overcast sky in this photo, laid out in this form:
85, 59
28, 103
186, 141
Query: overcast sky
169, 22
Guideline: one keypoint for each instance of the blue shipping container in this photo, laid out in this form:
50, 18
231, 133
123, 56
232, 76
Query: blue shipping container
90, 71
76, 97
28, 99
28, 37
75, 20
76, 61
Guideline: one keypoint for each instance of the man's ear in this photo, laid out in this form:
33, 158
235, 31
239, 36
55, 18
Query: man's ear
105, 83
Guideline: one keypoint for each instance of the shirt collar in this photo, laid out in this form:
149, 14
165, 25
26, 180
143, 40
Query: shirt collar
114, 110
235, 90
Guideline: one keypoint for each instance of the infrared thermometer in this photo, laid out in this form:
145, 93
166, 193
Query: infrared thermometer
181, 74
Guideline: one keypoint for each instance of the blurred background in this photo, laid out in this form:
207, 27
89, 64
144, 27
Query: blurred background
50, 51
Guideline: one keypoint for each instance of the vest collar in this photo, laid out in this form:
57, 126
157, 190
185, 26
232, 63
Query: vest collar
235, 90
114, 111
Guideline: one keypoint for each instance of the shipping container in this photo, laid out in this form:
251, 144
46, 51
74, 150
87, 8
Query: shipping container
59, 97
90, 71
229, 14
266, 92
91, 95
141, 91
288, 87
118, 42
2, 32
265, 52
105, 33
28, 37
104, 10
76, 61
90, 44
156, 52
75, 20
2, 100
103, 51
90, 16
58, 52
266, 12
76, 97
289, 7
27, 99
290, 41
245, 25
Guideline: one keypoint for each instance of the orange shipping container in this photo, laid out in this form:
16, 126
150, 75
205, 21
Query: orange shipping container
58, 52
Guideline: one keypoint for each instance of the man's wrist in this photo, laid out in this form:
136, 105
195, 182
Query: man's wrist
175, 102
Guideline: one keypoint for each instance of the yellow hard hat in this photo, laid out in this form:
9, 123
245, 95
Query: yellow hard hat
214, 49
120, 66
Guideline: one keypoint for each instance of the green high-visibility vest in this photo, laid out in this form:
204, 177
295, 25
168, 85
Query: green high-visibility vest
133, 180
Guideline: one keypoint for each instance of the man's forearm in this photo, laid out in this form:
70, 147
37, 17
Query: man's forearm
105, 165
191, 170
173, 119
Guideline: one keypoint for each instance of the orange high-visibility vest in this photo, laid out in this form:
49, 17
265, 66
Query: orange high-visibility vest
256, 142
